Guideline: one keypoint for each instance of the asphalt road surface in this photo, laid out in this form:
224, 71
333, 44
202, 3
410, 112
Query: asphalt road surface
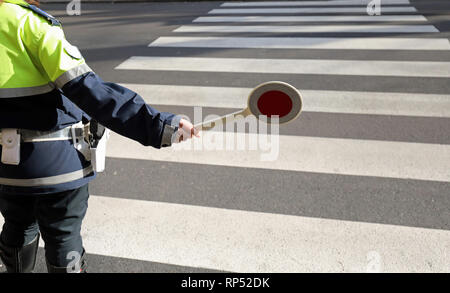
360, 182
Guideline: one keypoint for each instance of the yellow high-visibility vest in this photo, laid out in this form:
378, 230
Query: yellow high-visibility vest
35, 56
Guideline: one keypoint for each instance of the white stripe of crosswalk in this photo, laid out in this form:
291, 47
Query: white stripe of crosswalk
308, 29
402, 160
316, 18
292, 66
354, 102
384, 9
243, 241
311, 3
305, 43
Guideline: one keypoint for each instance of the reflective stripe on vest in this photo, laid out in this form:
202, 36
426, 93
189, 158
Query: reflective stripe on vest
25, 91
53, 180
37, 90
72, 74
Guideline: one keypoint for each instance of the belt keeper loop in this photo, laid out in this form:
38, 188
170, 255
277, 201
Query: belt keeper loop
74, 136
87, 132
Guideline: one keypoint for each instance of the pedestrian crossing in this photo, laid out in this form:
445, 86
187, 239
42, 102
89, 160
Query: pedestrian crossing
351, 201
313, 251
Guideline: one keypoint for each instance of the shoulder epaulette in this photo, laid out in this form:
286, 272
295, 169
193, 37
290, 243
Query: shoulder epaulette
50, 19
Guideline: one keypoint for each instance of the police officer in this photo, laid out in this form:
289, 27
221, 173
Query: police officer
48, 94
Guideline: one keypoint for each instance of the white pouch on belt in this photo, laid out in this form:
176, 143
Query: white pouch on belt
10, 146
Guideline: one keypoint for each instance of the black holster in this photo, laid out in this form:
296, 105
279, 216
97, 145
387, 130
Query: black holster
22, 259
96, 131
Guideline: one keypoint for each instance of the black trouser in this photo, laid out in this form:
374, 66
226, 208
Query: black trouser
57, 216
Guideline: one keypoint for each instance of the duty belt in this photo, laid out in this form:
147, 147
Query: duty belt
89, 139
40, 136
10, 139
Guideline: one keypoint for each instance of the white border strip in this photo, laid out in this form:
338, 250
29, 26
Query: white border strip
245, 241
339, 43
307, 29
53, 180
26, 91
352, 102
388, 159
363, 10
312, 3
310, 18
291, 66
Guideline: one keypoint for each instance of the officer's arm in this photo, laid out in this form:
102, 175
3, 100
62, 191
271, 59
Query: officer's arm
114, 106
121, 110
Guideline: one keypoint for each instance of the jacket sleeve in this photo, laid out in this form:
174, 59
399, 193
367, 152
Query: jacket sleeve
121, 110
112, 105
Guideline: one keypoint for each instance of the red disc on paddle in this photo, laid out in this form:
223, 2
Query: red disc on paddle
278, 101
273, 103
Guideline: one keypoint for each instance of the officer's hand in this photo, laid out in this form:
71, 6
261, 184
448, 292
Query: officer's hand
185, 131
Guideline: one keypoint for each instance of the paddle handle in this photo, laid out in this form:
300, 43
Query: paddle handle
207, 125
